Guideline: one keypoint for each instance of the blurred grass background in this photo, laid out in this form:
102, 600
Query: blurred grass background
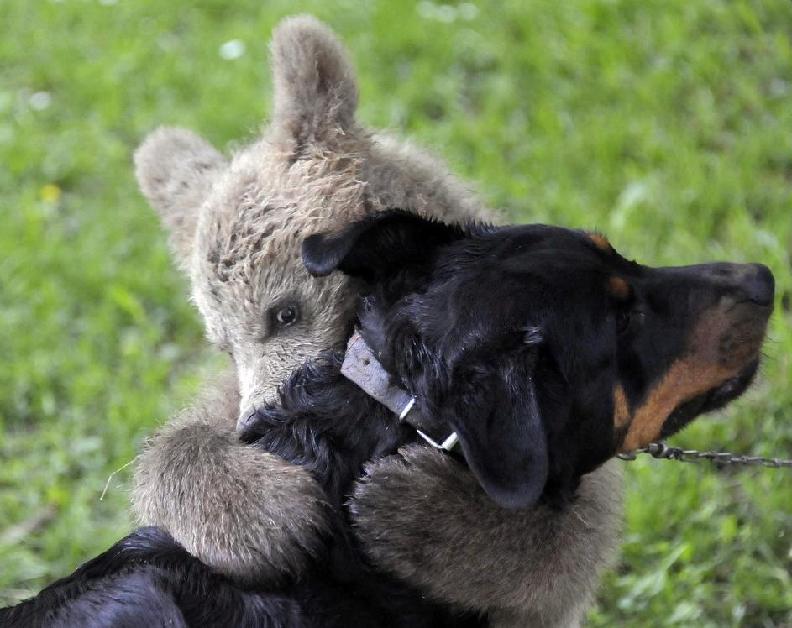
667, 124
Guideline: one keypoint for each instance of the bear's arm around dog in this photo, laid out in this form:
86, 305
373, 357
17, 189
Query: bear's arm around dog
194, 478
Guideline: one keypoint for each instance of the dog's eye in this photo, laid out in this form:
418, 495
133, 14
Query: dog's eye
623, 321
285, 315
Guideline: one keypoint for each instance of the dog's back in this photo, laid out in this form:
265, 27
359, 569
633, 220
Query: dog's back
147, 579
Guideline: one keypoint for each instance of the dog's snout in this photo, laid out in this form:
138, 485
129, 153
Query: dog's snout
758, 284
742, 282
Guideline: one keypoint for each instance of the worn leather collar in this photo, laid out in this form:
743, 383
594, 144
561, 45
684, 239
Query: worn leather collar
362, 368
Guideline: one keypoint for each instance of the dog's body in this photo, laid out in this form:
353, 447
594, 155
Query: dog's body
530, 343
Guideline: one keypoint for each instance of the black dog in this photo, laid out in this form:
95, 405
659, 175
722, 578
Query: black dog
543, 350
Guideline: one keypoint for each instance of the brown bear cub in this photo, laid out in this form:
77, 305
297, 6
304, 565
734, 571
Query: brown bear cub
235, 229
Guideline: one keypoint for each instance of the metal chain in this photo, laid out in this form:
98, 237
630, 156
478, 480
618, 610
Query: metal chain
666, 452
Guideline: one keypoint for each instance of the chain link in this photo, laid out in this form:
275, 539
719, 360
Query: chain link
666, 452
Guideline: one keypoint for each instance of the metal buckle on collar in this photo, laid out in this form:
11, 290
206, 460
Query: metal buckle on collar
363, 369
448, 443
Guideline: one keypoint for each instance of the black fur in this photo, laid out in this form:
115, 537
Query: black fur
147, 579
516, 338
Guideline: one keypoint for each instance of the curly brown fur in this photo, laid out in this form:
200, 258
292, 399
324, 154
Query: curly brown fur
527, 568
282, 504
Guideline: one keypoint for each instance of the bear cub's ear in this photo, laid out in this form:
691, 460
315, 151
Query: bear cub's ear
175, 170
378, 246
315, 87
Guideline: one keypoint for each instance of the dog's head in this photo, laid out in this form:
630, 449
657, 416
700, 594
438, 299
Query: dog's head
542, 347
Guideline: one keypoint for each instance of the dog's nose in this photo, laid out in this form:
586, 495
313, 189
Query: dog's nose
758, 284
741, 282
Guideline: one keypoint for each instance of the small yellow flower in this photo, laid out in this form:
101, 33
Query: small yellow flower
50, 193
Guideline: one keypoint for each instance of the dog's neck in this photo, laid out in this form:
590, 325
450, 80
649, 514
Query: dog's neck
362, 367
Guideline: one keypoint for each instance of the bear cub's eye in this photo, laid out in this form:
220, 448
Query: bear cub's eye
285, 315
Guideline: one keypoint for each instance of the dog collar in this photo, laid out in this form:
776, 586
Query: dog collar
363, 369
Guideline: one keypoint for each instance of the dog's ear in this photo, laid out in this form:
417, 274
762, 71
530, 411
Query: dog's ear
377, 246
497, 418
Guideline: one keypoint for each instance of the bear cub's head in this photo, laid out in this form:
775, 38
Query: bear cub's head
236, 225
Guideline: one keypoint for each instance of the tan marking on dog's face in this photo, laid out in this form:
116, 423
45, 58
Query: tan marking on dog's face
618, 288
621, 409
685, 380
601, 242
704, 367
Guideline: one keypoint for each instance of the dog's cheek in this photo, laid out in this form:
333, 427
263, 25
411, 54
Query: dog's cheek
581, 436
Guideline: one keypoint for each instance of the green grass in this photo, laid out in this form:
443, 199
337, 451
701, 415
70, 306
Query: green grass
665, 123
